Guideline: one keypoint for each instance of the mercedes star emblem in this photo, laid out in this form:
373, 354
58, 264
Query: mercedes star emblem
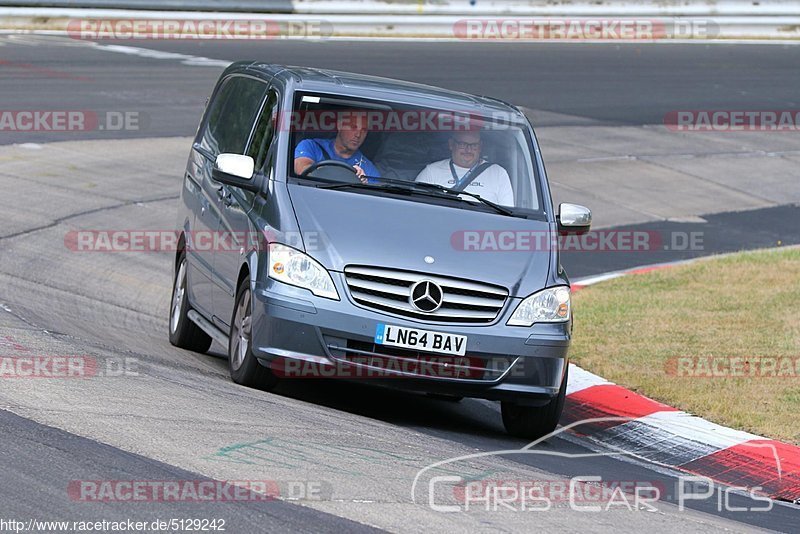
426, 296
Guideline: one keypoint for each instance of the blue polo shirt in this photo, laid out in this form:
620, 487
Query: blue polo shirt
311, 148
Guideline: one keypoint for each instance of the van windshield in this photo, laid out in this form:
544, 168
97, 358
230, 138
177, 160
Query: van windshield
340, 140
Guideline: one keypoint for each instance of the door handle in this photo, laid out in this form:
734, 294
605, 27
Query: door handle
224, 195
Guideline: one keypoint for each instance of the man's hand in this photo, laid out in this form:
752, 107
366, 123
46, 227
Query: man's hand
361, 174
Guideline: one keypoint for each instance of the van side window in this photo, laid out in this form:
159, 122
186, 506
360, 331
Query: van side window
231, 116
264, 133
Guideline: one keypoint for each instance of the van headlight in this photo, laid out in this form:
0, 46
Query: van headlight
293, 267
547, 306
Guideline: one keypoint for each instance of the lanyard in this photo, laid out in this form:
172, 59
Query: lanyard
467, 174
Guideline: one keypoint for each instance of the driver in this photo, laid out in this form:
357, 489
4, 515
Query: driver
488, 180
352, 131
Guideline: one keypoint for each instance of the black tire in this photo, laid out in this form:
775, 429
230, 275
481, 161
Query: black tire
243, 366
183, 332
533, 422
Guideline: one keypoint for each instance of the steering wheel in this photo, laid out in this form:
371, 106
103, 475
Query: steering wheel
330, 163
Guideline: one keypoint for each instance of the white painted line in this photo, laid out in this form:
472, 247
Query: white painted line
654, 444
597, 279
697, 429
589, 280
580, 379
186, 59
396, 38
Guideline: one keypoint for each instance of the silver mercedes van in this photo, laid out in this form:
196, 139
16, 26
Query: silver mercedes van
336, 225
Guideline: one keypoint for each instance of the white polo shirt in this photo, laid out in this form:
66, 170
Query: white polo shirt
492, 184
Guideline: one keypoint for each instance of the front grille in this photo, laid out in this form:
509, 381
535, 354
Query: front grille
388, 290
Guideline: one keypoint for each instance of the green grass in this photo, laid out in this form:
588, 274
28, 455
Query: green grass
633, 329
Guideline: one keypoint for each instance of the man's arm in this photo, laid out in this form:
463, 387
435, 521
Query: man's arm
505, 193
306, 154
425, 175
301, 164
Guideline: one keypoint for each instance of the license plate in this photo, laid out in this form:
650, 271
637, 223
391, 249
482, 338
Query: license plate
424, 340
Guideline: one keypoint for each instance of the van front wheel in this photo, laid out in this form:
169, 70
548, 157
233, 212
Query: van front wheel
243, 366
533, 422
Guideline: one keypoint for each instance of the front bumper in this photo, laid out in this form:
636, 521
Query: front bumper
300, 335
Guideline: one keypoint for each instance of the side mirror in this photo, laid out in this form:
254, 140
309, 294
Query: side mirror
236, 170
574, 219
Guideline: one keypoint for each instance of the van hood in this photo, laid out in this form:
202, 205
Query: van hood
345, 227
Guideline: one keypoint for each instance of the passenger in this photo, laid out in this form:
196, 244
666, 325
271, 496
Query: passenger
488, 180
352, 131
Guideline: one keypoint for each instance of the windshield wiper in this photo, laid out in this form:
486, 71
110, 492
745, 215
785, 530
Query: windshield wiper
456, 193
396, 186
359, 185
423, 188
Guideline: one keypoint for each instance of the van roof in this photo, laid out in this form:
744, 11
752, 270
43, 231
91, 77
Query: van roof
308, 78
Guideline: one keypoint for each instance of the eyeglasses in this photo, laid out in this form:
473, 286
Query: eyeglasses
463, 146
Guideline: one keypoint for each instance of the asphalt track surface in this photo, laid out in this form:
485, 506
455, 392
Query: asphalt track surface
607, 83
38, 492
